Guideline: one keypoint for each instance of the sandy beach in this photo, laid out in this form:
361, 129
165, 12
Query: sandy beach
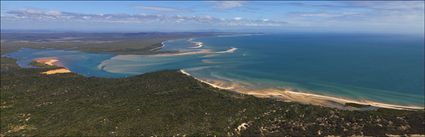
303, 97
53, 61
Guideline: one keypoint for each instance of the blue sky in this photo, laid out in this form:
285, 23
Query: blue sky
261, 16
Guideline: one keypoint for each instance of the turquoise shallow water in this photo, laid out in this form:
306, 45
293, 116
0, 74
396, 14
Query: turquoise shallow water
383, 68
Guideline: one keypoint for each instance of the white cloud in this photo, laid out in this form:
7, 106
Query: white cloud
52, 16
400, 16
237, 18
157, 8
229, 4
322, 14
54, 13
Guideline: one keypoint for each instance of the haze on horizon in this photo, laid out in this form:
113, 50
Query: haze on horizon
238, 16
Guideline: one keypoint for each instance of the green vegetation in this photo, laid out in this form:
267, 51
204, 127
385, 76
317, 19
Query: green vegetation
357, 105
117, 43
169, 103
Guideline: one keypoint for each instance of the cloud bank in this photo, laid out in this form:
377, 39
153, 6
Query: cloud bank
346, 16
229, 4
58, 16
157, 8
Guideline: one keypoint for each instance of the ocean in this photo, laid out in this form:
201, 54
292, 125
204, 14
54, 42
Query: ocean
377, 67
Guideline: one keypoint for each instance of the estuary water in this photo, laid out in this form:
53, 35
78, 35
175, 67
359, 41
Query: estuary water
381, 68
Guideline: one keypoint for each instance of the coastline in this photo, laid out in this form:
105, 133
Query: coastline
55, 62
308, 98
174, 98
294, 96
179, 53
288, 95
280, 94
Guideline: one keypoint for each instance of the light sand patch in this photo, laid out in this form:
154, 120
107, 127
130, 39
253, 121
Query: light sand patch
241, 127
17, 128
51, 61
57, 71
5, 105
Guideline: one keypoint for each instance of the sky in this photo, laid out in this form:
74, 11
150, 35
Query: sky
229, 16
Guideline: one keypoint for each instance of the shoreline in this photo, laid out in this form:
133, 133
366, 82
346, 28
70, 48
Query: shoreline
198, 44
52, 61
309, 98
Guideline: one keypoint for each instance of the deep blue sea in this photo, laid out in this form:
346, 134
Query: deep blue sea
383, 68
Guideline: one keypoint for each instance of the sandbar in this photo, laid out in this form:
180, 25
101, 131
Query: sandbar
53, 61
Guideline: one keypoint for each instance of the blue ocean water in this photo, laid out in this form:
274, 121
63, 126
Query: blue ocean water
383, 68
